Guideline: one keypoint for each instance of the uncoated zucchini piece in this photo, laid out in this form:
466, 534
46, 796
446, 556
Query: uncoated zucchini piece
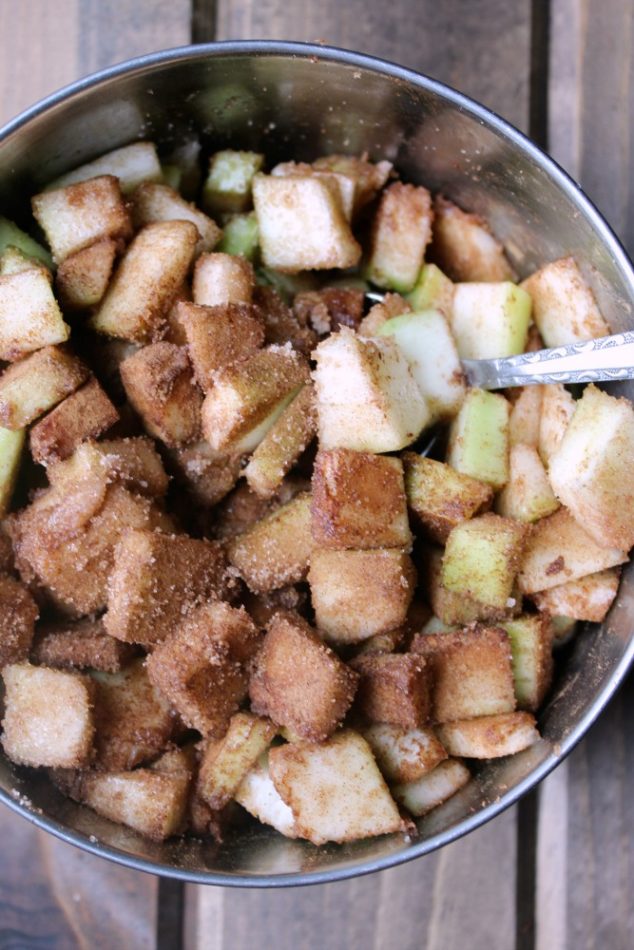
482, 557
531, 637
479, 438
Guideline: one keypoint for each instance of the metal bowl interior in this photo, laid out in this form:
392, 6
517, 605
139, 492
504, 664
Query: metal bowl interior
297, 101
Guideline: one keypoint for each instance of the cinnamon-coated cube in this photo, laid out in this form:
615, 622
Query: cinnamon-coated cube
202, 669
48, 717
219, 336
133, 720
394, 688
358, 501
156, 580
83, 277
18, 613
298, 681
81, 644
159, 383
78, 215
83, 415
357, 594
276, 550
471, 672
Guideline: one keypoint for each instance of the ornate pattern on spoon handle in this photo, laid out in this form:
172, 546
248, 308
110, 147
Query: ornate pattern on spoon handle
592, 361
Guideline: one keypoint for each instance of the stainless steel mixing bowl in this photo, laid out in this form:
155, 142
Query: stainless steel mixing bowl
297, 101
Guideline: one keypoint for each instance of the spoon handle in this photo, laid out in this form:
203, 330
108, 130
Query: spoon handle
606, 358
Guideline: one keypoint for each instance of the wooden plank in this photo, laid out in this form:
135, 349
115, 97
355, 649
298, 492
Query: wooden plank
460, 896
482, 48
585, 867
38, 43
591, 104
586, 841
53, 895
111, 31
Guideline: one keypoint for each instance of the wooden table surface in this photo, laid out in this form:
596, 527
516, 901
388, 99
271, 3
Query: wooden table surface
558, 870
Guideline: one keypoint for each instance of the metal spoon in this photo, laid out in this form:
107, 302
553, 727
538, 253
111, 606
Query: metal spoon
607, 358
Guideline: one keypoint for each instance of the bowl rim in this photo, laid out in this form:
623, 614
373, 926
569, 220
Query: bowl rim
570, 187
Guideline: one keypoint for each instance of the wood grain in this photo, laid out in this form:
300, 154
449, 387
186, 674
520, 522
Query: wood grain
585, 866
591, 102
481, 48
38, 51
51, 894
461, 896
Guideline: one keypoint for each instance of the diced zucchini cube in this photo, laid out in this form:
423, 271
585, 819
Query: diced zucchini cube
401, 231
48, 718
482, 557
527, 496
564, 307
76, 216
82, 278
490, 320
404, 755
230, 180
426, 342
358, 501
334, 789
247, 398
302, 225
464, 246
367, 399
283, 444
479, 438
557, 410
531, 637
34, 385
131, 164
145, 283
348, 609
240, 236
440, 497
588, 598
489, 737
30, 317
275, 551
591, 470
13, 236
11, 445
432, 789
432, 291
559, 550
153, 202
